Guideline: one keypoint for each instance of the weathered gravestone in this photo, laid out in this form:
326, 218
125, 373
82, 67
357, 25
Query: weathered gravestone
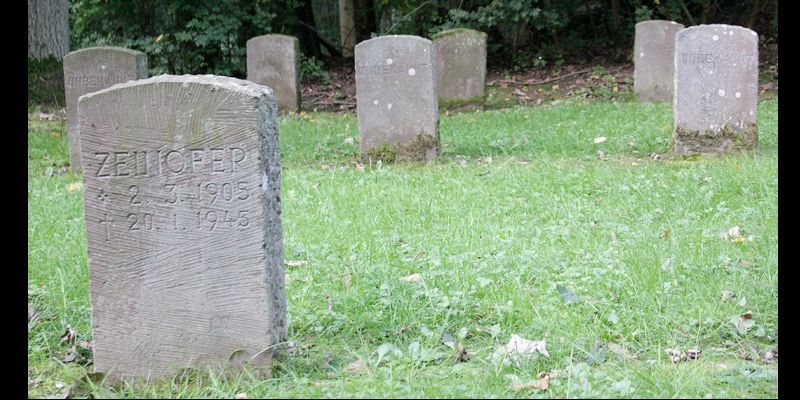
182, 204
89, 70
460, 56
716, 89
396, 90
274, 61
653, 59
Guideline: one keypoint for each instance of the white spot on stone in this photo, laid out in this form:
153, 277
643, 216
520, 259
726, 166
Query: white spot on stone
715, 38
721, 92
375, 102
264, 183
102, 67
673, 22
730, 33
753, 33
738, 95
751, 112
641, 55
389, 61
711, 126
412, 71
389, 106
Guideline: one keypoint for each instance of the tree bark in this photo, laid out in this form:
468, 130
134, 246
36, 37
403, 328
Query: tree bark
308, 37
48, 28
365, 19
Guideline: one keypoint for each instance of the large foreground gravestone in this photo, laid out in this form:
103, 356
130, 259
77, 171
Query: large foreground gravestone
89, 70
653, 59
460, 56
274, 61
182, 204
396, 90
716, 89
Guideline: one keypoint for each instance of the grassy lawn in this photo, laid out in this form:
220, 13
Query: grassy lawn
516, 215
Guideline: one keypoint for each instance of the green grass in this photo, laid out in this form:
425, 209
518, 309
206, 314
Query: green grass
517, 205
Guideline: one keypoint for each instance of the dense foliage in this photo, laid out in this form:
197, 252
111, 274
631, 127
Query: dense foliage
209, 36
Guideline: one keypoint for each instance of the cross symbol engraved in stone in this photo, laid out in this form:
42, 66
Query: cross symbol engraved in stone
107, 221
102, 196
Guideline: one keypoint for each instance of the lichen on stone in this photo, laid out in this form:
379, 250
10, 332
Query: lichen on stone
726, 139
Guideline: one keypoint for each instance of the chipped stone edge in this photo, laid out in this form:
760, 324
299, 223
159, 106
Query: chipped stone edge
126, 50
238, 85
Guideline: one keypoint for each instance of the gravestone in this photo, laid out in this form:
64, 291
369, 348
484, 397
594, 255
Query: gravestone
716, 89
274, 61
653, 60
89, 70
182, 205
396, 91
460, 56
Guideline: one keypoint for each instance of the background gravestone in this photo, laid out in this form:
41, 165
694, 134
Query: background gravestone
653, 59
274, 61
460, 56
89, 70
396, 92
182, 205
716, 89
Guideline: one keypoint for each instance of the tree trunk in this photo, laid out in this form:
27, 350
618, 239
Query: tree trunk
347, 26
365, 19
308, 35
48, 28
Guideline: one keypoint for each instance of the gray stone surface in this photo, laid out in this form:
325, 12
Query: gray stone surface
182, 205
716, 89
89, 70
653, 59
396, 91
274, 61
460, 56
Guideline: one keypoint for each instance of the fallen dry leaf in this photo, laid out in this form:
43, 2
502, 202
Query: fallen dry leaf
56, 134
68, 336
599, 140
519, 347
75, 186
675, 355
417, 277
770, 356
621, 351
349, 140
347, 281
541, 384
726, 294
602, 155
240, 396
358, 366
295, 263
693, 354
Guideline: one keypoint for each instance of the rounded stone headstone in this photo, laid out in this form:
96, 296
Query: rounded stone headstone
396, 91
274, 61
89, 70
653, 59
460, 56
182, 206
716, 89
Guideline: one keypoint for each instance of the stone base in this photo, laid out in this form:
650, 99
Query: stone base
714, 142
423, 148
